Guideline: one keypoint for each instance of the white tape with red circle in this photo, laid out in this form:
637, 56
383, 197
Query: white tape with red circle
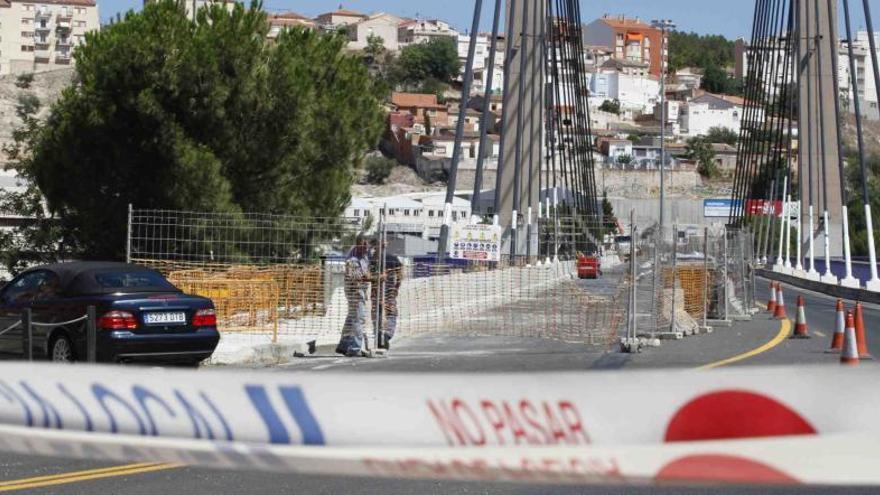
633, 415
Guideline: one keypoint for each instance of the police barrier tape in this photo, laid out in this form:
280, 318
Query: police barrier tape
846, 459
441, 411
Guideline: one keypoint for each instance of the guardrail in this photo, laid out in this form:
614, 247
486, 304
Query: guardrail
27, 335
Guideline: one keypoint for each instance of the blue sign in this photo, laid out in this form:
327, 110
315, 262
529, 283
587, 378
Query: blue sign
719, 208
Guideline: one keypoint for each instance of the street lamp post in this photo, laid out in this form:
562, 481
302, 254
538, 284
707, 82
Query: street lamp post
664, 25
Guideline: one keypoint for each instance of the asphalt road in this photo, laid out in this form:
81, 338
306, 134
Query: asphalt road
466, 355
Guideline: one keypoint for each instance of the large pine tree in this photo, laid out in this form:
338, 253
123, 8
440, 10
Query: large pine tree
201, 115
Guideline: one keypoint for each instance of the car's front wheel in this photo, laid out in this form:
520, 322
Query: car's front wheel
61, 349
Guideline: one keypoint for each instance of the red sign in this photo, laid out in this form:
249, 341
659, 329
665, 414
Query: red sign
764, 207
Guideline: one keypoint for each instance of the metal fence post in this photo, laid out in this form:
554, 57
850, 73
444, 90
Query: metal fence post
27, 334
674, 276
128, 236
742, 269
724, 277
91, 336
705, 278
753, 293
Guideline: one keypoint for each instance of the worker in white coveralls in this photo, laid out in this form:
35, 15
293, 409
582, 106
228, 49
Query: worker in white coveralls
357, 290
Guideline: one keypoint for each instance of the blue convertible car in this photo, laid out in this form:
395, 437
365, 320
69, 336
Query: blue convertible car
140, 315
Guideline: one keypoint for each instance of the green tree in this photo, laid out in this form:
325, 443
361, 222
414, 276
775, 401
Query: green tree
700, 150
378, 169
375, 47
694, 50
610, 106
23, 81
436, 59
428, 128
39, 236
856, 203
722, 135
608, 213
716, 80
624, 159
203, 115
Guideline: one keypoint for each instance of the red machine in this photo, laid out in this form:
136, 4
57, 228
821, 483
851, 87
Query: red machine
588, 267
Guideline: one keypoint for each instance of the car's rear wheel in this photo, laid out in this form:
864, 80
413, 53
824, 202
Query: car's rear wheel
61, 349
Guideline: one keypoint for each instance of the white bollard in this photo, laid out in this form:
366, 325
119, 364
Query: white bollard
780, 262
812, 273
848, 280
873, 285
828, 277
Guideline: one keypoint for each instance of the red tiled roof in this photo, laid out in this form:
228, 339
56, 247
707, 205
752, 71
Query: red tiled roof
290, 15
415, 100
344, 12
289, 19
625, 23
83, 3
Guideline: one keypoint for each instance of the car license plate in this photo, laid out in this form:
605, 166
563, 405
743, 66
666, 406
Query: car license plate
176, 318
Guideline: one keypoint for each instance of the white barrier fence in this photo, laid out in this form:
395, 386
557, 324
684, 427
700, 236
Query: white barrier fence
593, 425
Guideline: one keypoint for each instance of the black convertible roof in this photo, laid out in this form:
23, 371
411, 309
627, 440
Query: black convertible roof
77, 277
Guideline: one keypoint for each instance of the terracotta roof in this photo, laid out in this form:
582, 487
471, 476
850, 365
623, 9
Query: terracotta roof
415, 100
624, 23
83, 3
344, 12
289, 19
289, 15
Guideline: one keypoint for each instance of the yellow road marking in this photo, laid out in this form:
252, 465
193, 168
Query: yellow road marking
77, 476
90, 471
784, 330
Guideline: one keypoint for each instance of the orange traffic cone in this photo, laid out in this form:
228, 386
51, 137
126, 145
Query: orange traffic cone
771, 305
800, 326
850, 354
780, 313
840, 330
861, 341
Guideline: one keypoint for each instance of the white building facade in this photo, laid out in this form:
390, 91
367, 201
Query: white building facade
423, 31
636, 93
384, 26
41, 36
705, 112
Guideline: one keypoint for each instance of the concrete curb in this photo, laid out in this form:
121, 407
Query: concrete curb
262, 355
861, 295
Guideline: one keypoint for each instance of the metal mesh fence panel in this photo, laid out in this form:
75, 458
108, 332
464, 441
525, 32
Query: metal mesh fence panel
277, 278
689, 279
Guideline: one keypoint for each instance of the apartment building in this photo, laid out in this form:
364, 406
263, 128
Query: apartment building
339, 19
41, 36
284, 20
627, 39
381, 25
193, 6
423, 31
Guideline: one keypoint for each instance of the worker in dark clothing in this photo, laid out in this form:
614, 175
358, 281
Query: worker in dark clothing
389, 280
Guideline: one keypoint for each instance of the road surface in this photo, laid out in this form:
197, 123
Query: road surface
757, 342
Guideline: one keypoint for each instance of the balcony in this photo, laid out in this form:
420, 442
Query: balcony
62, 43
62, 57
65, 14
42, 27
42, 13
63, 25
42, 54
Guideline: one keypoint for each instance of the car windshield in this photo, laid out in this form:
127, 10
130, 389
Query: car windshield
141, 280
